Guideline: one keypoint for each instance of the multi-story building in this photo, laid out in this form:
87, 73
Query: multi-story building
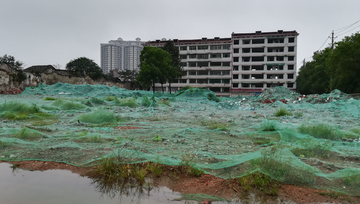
246, 63
263, 60
206, 63
121, 55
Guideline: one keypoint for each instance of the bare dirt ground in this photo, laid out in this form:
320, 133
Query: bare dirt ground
211, 185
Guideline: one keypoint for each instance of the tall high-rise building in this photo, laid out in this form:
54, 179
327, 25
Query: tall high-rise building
121, 55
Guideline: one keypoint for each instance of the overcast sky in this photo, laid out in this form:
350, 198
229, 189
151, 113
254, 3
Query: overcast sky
41, 32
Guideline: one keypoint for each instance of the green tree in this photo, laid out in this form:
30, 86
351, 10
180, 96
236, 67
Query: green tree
155, 64
11, 62
344, 65
83, 66
176, 68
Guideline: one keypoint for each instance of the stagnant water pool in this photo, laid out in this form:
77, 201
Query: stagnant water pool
64, 187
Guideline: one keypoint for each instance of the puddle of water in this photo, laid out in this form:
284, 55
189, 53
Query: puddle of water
64, 187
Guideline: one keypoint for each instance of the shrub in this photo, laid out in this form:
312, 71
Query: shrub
28, 134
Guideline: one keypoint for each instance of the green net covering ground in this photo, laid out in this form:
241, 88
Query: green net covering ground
303, 140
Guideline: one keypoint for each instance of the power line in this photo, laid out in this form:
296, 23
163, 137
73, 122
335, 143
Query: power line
324, 42
348, 31
346, 27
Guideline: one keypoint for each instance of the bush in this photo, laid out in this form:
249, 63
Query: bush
126, 102
65, 105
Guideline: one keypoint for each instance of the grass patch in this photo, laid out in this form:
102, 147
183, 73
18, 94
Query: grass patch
93, 139
322, 131
200, 198
28, 134
298, 114
126, 102
98, 117
17, 111
97, 101
282, 112
66, 105
313, 148
212, 124
261, 182
335, 195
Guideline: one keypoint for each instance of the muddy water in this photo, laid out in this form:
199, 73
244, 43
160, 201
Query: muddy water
64, 187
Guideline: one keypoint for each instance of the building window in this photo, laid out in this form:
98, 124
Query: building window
192, 72
291, 40
226, 55
192, 81
290, 58
257, 59
290, 85
215, 89
236, 42
183, 64
203, 72
215, 64
236, 50
192, 64
246, 50
202, 81
226, 64
290, 76
193, 56
215, 55
236, 68
235, 76
276, 40
258, 41
183, 56
183, 47
215, 47
203, 47
202, 56
226, 47
270, 58
225, 72
290, 67
236, 59
245, 59
235, 85
183, 81
203, 64
280, 58
291, 49
215, 81
192, 47
245, 42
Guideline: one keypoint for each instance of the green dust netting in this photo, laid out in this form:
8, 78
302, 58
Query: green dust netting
303, 140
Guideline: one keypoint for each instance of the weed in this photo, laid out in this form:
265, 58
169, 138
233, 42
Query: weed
313, 148
4, 144
28, 134
93, 139
156, 168
96, 101
187, 166
261, 141
66, 105
50, 99
320, 131
336, 195
298, 114
139, 172
110, 98
282, 112
261, 182
157, 138
126, 102
212, 124
99, 116
268, 125
165, 102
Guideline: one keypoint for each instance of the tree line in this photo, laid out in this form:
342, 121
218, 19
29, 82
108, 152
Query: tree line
330, 69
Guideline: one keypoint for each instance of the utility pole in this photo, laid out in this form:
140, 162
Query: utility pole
332, 40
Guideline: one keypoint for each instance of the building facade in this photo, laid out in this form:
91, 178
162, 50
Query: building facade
263, 60
245, 64
120, 55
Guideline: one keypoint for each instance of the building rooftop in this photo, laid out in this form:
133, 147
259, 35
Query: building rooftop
260, 33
